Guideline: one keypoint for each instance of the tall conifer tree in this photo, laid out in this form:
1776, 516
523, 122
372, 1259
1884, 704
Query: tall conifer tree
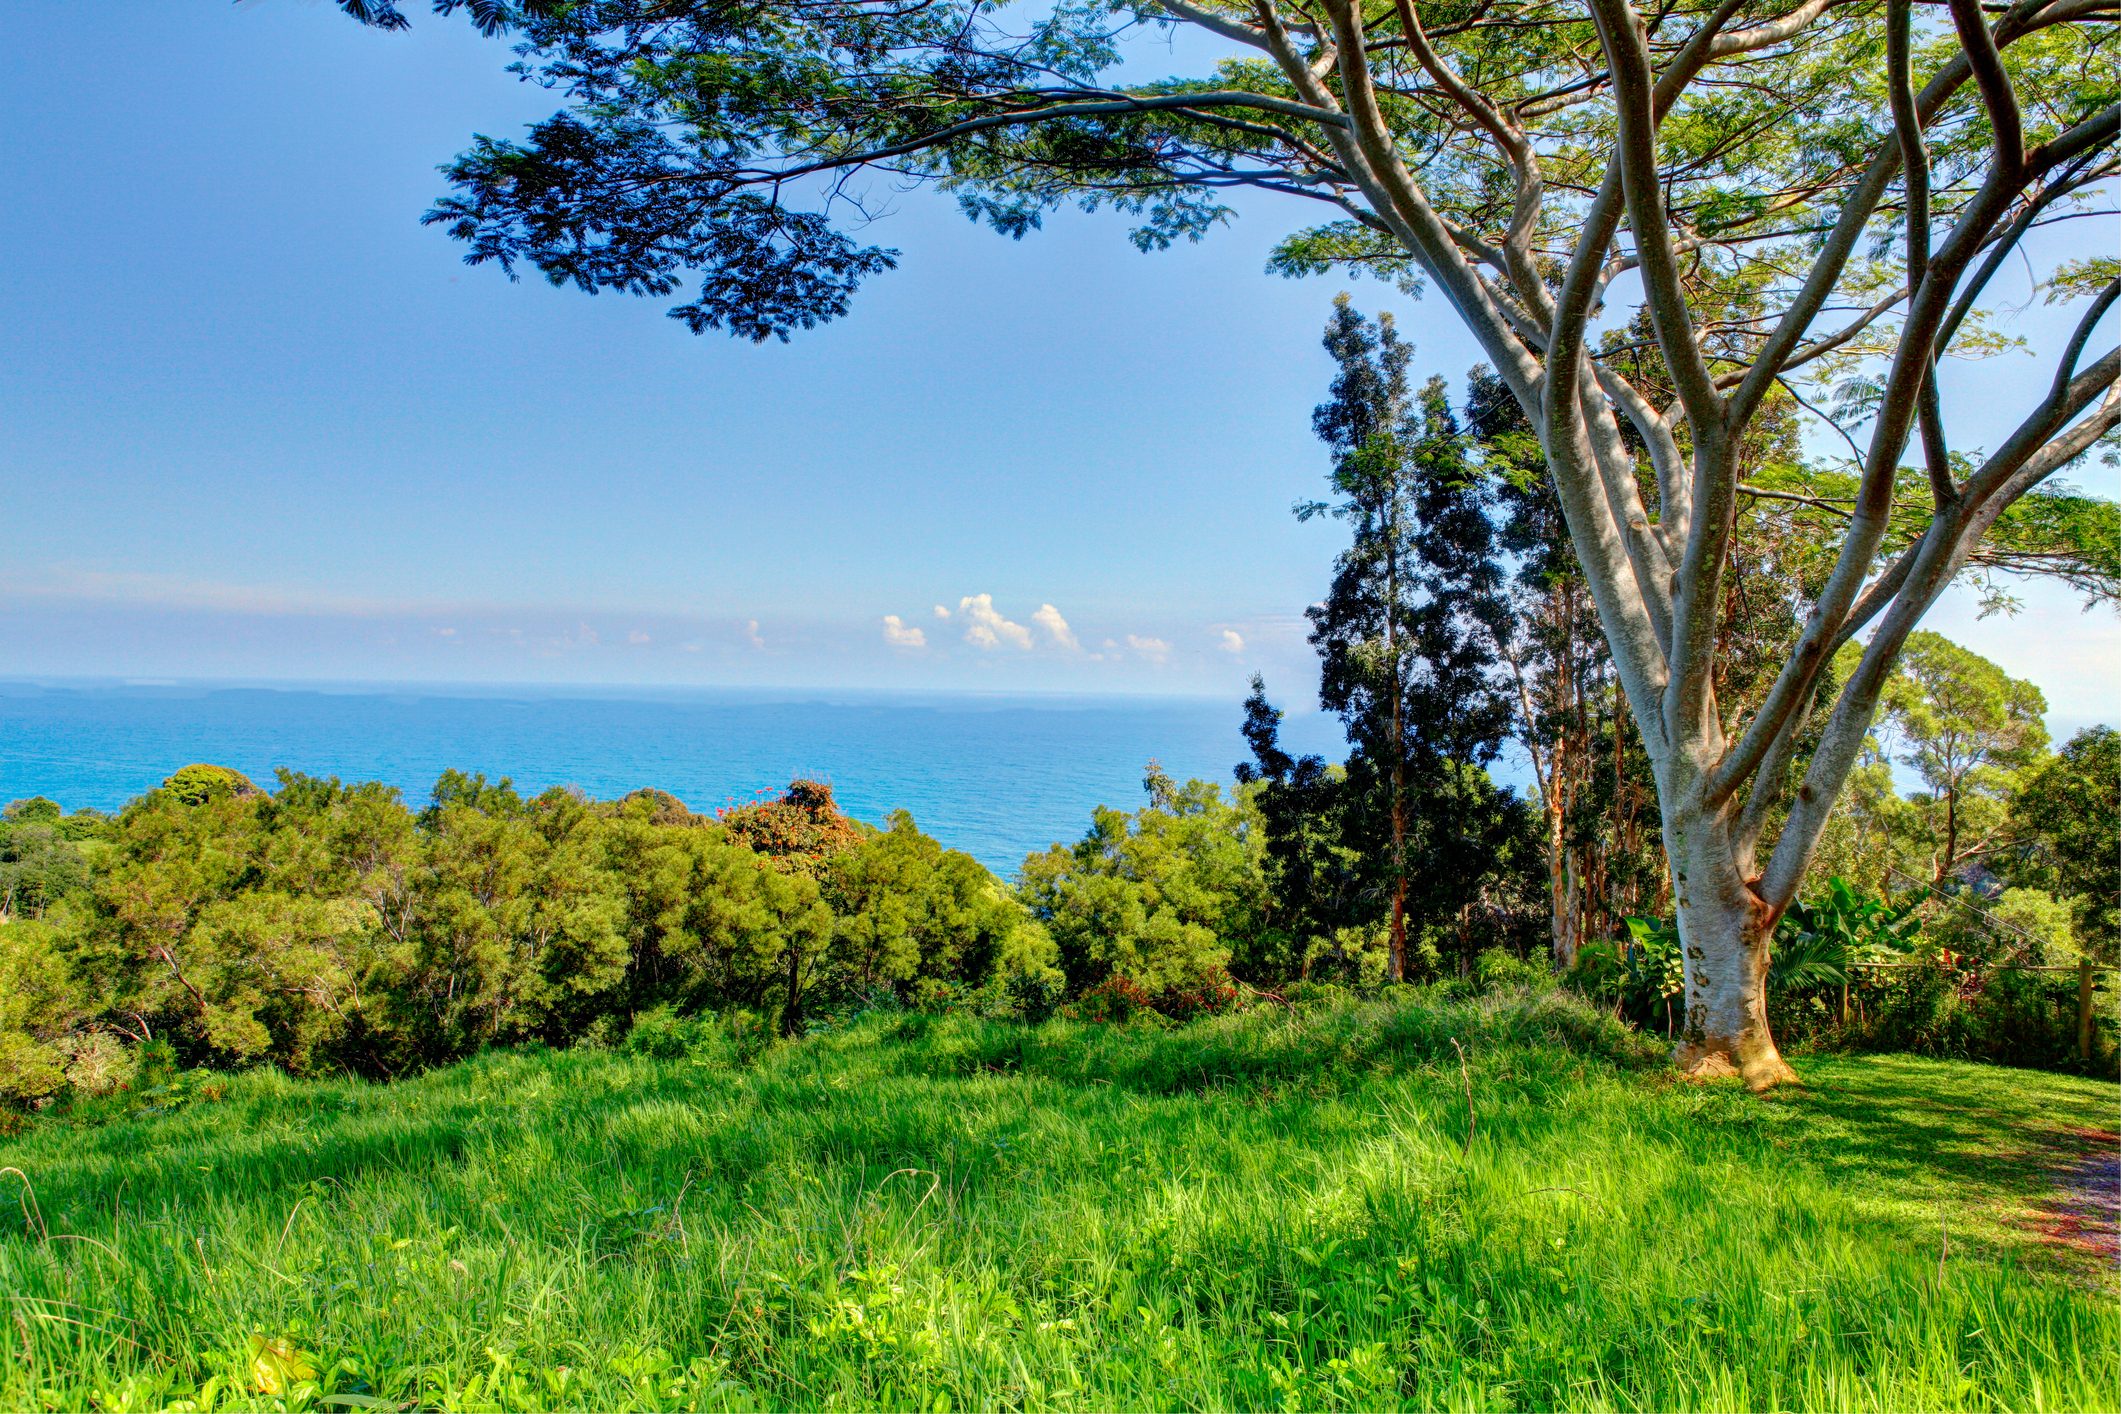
1404, 636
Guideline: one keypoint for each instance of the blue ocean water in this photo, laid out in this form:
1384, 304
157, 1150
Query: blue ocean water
995, 776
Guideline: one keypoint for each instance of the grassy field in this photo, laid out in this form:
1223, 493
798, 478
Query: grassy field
1265, 1210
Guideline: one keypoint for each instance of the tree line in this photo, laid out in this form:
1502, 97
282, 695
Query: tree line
326, 927
322, 926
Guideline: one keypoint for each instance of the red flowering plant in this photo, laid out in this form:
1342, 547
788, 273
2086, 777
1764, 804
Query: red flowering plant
1116, 998
1209, 993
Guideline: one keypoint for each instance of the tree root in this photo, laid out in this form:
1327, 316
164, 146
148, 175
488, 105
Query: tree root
1761, 1073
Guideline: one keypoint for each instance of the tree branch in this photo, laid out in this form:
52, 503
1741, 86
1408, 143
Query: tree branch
1898, 405
1635, 152
1997, 96
2028, 457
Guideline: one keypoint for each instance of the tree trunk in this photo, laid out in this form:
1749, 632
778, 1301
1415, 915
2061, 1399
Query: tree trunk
1725, 937
1399, 929
1579, 916
792, 1012
1398, 962
1951, 834
1562, 896
1398, 966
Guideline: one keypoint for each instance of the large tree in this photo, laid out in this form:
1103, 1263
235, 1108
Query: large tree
1785, 190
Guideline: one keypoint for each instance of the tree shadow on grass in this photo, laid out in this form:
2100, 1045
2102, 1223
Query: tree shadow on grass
1968, 1149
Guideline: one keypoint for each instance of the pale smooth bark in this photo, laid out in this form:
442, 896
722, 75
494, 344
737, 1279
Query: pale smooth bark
1725, 930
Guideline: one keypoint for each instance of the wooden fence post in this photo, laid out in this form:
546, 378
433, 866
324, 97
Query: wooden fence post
2084, 1010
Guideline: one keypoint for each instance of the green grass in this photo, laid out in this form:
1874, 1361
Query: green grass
1267, 1210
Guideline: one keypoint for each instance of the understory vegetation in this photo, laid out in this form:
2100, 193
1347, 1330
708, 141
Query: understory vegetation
1320, 1206
325, 929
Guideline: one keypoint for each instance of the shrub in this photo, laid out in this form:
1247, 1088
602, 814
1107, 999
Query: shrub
1115, 999
1945, 989
661, 1033
1358, 956
733, 1038
1641, 978
941, 996
1209, 994
1027, 994
1500, 970
42, 1003
1963, 1011
101, 1064
1308, 993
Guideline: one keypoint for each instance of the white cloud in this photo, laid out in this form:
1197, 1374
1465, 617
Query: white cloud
899, 636
637, 638
1154, 649
445, 632
941, 612
989, 629
1233, 641
1049, 619
751, 631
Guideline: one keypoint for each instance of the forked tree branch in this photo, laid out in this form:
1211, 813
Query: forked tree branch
1973, 232
1936, 560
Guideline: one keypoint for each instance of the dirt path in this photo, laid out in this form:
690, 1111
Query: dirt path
2084, 1212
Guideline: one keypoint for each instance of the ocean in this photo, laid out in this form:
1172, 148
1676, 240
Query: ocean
995, 776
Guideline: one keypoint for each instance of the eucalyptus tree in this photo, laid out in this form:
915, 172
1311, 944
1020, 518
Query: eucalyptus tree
1556, 661
1788, 191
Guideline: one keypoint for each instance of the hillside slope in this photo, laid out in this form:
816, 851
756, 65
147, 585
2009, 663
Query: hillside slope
1262, 1210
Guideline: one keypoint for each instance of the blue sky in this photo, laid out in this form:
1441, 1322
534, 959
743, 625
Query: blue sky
260, 424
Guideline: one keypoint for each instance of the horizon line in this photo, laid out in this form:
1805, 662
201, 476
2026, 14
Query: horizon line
472, 687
